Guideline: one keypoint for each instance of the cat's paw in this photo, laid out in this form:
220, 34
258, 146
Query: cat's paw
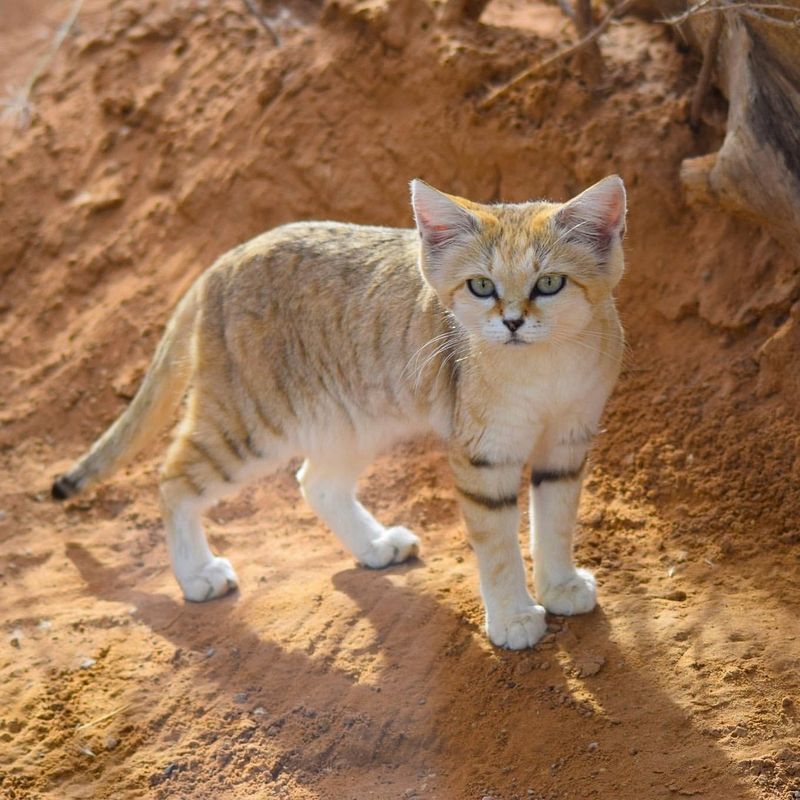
578, 595
393, 546
518, 631
215, 579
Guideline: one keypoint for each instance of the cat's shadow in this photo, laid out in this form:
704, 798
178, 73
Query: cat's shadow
429, 672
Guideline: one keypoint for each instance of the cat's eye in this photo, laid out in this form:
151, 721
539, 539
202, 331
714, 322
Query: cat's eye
548, 285
481, 287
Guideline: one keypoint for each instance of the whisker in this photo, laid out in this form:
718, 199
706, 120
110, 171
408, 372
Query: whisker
556, 339
410, 364
442, 348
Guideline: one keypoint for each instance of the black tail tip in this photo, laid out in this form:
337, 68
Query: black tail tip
63, 488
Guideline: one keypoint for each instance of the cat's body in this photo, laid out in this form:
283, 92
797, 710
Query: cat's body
332, 341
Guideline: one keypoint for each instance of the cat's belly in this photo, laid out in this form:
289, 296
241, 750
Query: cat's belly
354, 432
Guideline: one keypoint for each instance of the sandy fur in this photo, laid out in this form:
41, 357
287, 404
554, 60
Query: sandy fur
332, 341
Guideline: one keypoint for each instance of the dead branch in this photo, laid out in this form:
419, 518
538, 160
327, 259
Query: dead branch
565, 52
747, 9
704, 78
589, 60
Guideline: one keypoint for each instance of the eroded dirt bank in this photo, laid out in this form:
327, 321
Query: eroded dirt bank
163, 134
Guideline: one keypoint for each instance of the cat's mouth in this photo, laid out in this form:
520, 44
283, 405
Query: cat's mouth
514, 340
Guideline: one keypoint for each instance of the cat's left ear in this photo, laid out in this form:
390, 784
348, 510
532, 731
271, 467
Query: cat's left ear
441, 221
596, 217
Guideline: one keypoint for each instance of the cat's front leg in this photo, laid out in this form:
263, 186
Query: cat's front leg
556, 482
488, 498
329, 487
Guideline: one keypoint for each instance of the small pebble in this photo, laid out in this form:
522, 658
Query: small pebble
110, 742
595, 519
87, 663
593, 747
259, 712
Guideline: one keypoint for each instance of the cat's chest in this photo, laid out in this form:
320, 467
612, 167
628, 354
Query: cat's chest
509, 411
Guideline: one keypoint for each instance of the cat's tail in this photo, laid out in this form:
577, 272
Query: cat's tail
161, 390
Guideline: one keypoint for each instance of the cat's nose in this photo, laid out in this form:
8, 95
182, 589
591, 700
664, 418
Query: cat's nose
513, 324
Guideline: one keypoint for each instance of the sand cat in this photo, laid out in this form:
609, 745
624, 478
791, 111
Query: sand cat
493, 326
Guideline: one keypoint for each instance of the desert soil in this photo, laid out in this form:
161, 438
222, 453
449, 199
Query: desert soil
163, 133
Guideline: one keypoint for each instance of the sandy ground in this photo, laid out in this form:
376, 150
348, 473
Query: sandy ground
166, 132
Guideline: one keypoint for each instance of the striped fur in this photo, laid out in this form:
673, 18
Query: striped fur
331, 341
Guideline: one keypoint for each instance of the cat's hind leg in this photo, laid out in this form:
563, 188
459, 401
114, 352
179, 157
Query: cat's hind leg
330, 489
201, 574
209, 458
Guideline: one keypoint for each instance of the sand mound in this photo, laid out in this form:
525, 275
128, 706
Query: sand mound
164, 133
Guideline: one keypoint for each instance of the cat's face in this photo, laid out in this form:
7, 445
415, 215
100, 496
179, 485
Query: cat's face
517, 275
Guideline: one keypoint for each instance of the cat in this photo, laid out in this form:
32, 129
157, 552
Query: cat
494, 326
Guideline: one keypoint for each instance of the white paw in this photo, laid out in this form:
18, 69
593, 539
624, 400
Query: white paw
578, 595
518, 631
391, 547
215, 579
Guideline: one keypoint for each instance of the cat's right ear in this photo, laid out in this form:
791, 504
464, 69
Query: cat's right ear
441, 221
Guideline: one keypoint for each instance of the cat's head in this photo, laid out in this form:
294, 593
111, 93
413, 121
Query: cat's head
525, 273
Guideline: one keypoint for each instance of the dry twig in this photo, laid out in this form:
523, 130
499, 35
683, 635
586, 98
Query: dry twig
263, 21
566, 52
17, 106
105, 717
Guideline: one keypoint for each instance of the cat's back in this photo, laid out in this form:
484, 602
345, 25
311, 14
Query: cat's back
329, 313
328, 257
319, 284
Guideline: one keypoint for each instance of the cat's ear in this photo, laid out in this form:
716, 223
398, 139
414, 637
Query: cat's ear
596, 217
441, 221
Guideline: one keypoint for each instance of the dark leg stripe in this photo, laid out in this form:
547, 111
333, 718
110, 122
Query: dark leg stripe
254, 451
229, 442
492, 503
258, 408
479, 462
549, 476
211, 461
193, 485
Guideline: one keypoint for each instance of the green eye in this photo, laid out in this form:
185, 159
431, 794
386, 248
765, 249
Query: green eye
548, 285
481, 287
